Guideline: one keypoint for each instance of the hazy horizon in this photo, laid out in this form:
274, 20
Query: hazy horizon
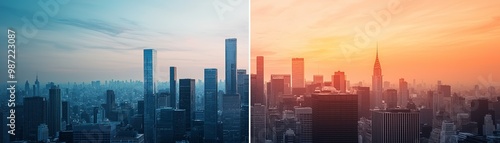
451, 41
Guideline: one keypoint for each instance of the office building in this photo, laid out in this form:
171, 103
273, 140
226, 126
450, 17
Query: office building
363, 101
35, 109
165, 124
259, 83
231, 118
187, 99
149, 93
404, 93
391, 98
334, 118
243, 86
210, 112
339, 81
304, 117
54, 117
258, 123
231, 66
298, 80
98, 133
173, 87
395, 126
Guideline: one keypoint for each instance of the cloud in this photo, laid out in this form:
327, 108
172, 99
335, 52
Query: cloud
93, 24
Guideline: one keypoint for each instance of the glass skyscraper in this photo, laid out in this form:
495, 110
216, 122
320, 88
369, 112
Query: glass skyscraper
187, 99
173, 87
231, 66
231, 108
54, 118
210, 124
149, 93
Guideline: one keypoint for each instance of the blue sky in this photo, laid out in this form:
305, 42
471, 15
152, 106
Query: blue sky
103, 40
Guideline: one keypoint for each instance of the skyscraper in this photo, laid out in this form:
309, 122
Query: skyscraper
258, 123
231, 66
255, 98
377, 83
35, 110
27, 88
334, 118
211, 90
231, 106
173, 87
339, 81
404, 93
395, 126
36, 89
304, 116
391, 98
363, 101
243, 86
276, 90
448, 133
259, 82
54, 118
298, 80
231, 118
318, 79
165, 124
110, 102
479, 109
187, 99
65, 112
149, 93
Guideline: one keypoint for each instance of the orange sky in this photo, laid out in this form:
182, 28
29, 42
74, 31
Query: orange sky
427, 40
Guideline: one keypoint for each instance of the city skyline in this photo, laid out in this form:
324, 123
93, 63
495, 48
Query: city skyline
417, 43
170, 27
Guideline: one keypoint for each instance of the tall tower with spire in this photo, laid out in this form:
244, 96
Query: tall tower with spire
37, 86
377, 83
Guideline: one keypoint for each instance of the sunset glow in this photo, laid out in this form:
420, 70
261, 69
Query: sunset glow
457, 42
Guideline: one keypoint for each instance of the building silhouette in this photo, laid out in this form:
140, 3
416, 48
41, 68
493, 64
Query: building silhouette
165, 125
318, 79
210, 112
404, 93
149, 93
391, 98
304, 117
231, 66
363, 101
479, 109
35, 113
339, 81
298, 80
110, 103
258, 96
377, 83
276, 89
54, 118
98, 133
243, 86
395, 126
173, 87
187, 99
334, 118
65, 115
